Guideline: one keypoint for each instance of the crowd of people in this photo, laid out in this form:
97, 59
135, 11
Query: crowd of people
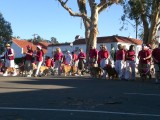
122, 59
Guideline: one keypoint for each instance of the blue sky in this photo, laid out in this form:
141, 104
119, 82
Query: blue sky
48, 19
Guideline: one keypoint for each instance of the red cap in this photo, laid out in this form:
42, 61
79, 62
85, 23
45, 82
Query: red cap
28, 46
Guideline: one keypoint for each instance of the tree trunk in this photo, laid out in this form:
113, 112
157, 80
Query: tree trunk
94, 27
91, 31
153, 28
87, 34
146, 28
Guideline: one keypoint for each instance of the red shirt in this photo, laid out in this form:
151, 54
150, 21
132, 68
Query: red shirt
130, 55
156, 54
39, 56
48, 62
9, 54
74, 57
93, 53
81, 55
58, 56
104, 54
120, 55
99, 56
143, 54
29, 56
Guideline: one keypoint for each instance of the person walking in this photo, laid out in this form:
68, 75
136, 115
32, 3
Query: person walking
39, 59
9, 60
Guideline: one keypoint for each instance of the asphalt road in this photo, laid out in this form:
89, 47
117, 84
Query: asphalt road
78, 98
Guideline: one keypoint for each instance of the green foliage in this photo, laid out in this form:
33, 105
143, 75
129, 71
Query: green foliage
54, 40
5, 30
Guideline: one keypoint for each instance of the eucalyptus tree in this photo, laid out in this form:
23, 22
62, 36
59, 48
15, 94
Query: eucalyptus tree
145, 13
5, 30
89, 16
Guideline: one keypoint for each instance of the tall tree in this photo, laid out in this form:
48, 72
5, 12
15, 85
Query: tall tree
145, 12
90, 21
5, 30
54, 40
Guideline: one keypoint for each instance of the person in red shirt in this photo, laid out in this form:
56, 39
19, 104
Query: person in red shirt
81, 62
9, 60
144, 55
28, 60
120, 61
130, 63
58, 59
74, 59
48, 61
104, 59
39, 59
93, 56
99, 55
156, 59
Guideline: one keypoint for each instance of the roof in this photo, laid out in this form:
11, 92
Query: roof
109, 39
24, 43
59, 44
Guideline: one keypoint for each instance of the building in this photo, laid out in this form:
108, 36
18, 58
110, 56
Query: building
109, 41
20, 46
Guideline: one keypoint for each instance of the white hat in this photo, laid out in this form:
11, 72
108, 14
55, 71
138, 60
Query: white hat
38, 46
68, 51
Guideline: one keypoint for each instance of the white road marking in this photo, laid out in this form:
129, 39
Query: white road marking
142, 94
82, 111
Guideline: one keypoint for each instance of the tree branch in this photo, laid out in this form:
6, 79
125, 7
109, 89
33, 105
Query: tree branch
84, 16
105, 3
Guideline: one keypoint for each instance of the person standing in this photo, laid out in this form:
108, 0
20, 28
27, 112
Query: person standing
74, 59
9, 60
130, 63
39, 59
58, 59
93, 56
120, 60
68, 58
48, 62
144, 58
81, 58
99, 55
156, 59
104, 59
28, 60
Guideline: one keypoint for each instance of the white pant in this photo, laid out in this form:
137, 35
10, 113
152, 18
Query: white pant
38, 66
103, 63
128, 74
58, 66
119, 66
9, 63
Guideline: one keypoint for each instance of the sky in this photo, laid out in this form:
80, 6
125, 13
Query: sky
47, 19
